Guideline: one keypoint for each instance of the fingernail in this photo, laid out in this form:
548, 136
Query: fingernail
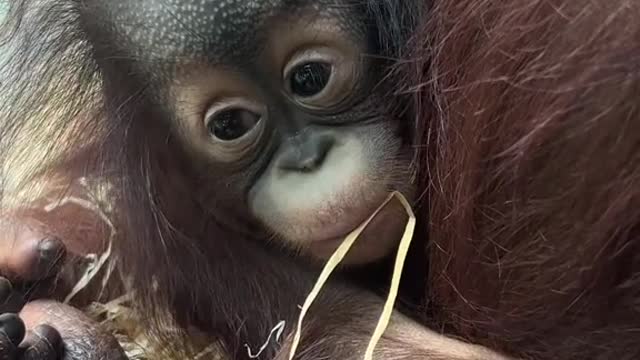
51, 249
51, 253
5, 290
13, 327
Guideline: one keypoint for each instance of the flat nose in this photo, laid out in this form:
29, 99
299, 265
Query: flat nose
306, 152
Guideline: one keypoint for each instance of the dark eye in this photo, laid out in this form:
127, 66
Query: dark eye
232, 124
310, 79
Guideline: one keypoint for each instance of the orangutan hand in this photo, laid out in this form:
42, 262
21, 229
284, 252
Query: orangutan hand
49, 330
31, 258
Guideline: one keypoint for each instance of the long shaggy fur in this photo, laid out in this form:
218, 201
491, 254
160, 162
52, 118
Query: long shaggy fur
533, 173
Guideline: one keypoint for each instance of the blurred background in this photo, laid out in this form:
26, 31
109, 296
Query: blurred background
3, 10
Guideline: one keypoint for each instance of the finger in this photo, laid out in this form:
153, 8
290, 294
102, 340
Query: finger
43, 343
10, 300
12, 327
83, 338
8, 350
27, 252
5, 290
51, 255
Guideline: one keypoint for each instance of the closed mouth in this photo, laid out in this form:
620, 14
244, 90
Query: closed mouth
338, 231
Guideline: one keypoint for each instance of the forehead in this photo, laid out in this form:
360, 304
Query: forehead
216, 29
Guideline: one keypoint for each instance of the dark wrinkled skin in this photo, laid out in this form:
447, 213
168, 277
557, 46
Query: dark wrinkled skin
75, 336
26, 331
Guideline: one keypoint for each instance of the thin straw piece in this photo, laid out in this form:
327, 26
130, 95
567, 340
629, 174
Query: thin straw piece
337, 257
403, 249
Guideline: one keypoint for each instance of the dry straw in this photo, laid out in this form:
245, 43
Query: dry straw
123, 323
340, 253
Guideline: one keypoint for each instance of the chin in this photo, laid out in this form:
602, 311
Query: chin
379, 239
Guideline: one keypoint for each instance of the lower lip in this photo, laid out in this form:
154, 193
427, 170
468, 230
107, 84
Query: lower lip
330, 243
333, 234
325, 247
341, 232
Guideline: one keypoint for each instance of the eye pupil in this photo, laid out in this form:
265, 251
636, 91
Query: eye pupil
309, 79
232, 124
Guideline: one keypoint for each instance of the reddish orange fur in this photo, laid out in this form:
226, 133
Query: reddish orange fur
533, 176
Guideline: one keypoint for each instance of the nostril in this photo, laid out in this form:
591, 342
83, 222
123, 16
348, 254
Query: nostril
307, 156
316, 157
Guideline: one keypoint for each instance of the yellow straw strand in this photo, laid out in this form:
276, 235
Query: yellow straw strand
337, 257
403, 250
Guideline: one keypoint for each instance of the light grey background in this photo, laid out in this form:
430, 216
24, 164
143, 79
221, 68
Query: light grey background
3, 55
3, 10
3, 13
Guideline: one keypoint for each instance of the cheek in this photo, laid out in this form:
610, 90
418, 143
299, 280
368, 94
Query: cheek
223, 197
